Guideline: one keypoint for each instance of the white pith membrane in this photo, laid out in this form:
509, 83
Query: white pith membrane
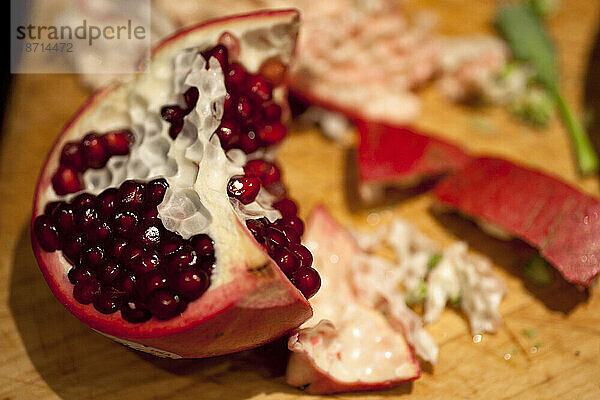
194, 165
362, 325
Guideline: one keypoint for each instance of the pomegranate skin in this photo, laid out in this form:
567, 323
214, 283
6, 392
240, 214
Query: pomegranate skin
224, 319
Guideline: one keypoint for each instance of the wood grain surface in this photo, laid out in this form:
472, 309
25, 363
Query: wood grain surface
45, 353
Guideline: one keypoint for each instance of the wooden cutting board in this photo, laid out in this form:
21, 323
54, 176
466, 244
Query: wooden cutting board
46, 353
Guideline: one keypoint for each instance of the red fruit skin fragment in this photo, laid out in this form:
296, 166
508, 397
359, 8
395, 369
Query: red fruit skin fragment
557, 219
398, 155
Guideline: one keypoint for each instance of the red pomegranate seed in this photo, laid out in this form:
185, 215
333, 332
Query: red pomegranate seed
203, 244
267, 172
175, 128
220, 53
93, 256
148, 282
106, 202
303, 254
94, 155
228, 133
71, 156
132, 194
132, 253
135, 312
150, 233
87, 291
109, 301
287, 261
235, 78
73, 246
275, 239
83, 200
243, 188
272, 112
257, 227
290, 234
64, 218
272, 133
228, 106
191, 98
125, 283
307, 280
79, 274
172, 113
99, 233
117, 142
116, 248
87, 218
286, 207
155, 191
259, 89
66, 180
243, 108
191, 284
186, 258
163, 304
51, 207
248, 141
108, 272
295, 223
170, 246
148, 262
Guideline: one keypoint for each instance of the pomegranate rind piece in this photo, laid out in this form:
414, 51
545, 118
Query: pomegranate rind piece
330, 359
398, 155
557, 219
224, 319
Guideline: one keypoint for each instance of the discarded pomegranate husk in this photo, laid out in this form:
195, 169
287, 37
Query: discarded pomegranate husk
347, 345
510, 200
394, 156
146, 225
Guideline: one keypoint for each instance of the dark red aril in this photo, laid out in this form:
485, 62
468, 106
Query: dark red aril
257, 227
172, 113
303, 254
290, 234
150, 233
243, 108
124, 222
148, 282
184, 259
87, 291
272, 112
229, 134
71, 157
267, 172
109, 301
203, 244
275, 239
83, 200
170, 246
51, 207
99, 233
243, 188
93, 153
175, 128
295, 223
220, 53
135, 312
108, 272
46, 233
116, 248
287, 261
125, 283
107, 202
132, 194
235, 78
191, 284
87, 218
259, 89
79, 274
272, 132
307, 280
73, 246
249, 141
155, 191
148, 262
286, 207
92, 256
117, 143
66, 180
64, 218
191, 98
163, 304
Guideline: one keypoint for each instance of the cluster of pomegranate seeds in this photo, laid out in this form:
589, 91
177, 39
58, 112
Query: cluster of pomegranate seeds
251, 120
281, 239
123, 257
93, 151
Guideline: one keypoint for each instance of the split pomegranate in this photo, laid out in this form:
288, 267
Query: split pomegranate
157, 215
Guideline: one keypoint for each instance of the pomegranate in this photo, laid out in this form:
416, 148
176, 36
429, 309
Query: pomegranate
156, 218
348, 344
396, 156
510, 200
